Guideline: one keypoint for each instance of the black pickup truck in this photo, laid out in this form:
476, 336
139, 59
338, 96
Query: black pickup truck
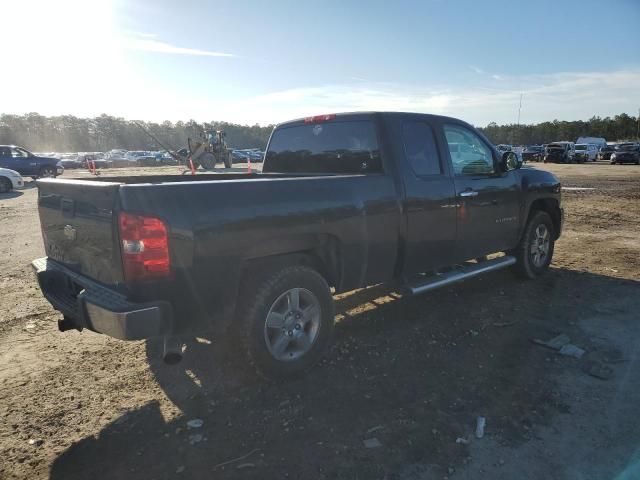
343, 201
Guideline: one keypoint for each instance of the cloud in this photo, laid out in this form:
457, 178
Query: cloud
563, 96
478, 70
146, 42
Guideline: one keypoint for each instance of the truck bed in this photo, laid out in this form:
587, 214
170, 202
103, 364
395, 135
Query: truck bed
188, 178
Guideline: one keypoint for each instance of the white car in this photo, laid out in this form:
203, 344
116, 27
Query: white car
10, 180
586, 152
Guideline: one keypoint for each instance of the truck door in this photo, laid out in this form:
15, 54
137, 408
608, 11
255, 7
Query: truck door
24, 162
488, 201
429, 201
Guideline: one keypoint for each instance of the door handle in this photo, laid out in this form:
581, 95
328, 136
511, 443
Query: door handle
469, 193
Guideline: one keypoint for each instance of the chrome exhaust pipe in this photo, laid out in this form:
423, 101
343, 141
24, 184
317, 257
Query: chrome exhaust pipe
171, 350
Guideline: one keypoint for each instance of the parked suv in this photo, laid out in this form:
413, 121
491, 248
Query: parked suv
27, 164
586, 152
559, 152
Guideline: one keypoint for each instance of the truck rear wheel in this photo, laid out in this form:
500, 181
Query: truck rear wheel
287, 325
535, 250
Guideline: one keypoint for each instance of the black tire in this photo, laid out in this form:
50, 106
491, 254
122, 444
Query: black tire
207, 160
525, 265
266, 289
228, 160
5, 185
47, 172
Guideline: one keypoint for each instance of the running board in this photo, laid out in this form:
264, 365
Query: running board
461, 273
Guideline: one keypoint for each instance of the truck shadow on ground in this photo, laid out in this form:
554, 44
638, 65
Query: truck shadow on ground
412, 372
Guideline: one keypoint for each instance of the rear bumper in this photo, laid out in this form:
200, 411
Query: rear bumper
88, 304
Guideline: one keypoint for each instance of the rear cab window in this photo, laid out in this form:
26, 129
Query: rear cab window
420, 148
325, 147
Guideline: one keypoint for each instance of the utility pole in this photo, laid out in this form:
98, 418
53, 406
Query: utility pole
518, 122
638, 127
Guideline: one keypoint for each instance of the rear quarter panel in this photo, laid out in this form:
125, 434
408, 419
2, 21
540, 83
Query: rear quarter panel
217, 227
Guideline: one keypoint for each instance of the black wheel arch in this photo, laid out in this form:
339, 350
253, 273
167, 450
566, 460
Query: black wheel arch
552, 207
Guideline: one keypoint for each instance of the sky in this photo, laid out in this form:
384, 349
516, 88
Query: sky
264, 62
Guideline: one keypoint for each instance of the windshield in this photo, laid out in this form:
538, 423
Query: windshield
581, 147
330, 147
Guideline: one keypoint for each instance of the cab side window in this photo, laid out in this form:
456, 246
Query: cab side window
18, 153
470, 155
5, 152
420, 148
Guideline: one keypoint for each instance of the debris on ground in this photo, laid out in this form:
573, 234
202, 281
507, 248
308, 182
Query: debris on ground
245, 465
571, 350
35, 441
372, 442
180, 469
556, 343
195, 438
233, 460
504, 324
462, 440
375, 429
600, 370
195, 423
481, 422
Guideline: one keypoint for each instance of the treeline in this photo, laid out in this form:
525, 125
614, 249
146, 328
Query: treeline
67, 133
621, 127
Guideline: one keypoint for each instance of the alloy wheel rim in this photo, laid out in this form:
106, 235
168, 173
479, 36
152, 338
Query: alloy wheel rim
292, 324
540, 245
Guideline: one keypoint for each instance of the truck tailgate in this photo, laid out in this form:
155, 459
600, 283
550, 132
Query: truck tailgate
79, 228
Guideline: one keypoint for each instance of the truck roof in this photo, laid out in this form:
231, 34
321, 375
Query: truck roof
352, 115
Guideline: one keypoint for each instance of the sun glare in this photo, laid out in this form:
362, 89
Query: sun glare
65, 45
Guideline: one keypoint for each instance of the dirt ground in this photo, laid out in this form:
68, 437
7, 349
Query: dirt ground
413, 373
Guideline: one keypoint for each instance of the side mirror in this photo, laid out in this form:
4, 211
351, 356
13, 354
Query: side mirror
510, 161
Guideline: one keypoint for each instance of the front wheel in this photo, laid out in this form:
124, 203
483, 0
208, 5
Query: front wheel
534, 253
288, 324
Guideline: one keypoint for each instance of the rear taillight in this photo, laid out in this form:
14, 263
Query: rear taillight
320, 118
145, 247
